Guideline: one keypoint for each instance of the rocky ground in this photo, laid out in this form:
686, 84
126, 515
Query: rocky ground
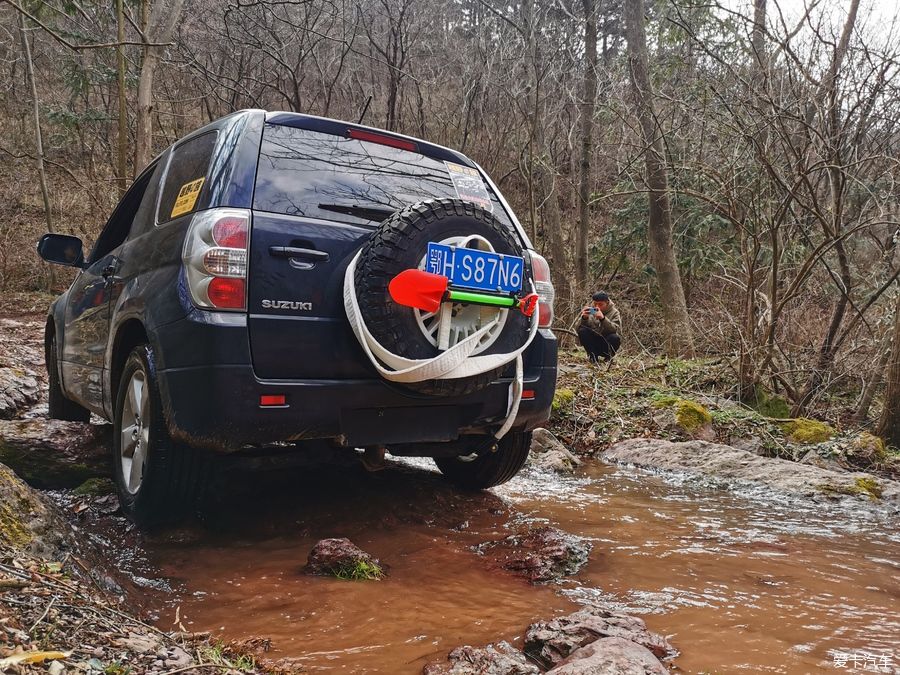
675, 415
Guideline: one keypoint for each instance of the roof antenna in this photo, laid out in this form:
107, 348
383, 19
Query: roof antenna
365, 109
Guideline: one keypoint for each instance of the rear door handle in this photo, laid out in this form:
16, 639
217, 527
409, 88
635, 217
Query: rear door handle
298, 253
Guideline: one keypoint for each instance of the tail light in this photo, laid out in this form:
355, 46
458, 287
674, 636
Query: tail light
544, 288
215, 258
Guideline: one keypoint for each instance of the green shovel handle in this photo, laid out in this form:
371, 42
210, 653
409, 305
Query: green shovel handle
481, 299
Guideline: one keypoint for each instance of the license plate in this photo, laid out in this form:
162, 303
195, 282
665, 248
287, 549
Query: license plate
478, 270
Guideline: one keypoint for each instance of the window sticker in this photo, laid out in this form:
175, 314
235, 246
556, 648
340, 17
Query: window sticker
187, 197
469, 186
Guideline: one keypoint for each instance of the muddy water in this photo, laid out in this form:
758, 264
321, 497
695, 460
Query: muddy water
241, 577
741, 583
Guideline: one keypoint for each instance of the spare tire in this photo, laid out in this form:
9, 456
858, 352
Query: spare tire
399, 244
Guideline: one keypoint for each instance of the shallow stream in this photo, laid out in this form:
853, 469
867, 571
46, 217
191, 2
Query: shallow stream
739, 582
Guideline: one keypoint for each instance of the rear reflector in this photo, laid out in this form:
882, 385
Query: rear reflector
381, 139
528, 394
272, 400
226, 292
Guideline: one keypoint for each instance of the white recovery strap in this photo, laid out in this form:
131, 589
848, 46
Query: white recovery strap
455, 362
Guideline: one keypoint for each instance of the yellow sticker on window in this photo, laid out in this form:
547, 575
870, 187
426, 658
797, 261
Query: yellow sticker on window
187, 197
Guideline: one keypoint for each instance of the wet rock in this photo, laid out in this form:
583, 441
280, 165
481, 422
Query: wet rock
610, 656
540, 554
551, 642
343, 559
724, 462
19, 389
499, 659
750, 444
28, 521
822, 460
54, 454
548, 452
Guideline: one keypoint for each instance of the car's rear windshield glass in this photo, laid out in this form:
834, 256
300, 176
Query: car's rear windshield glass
319, 175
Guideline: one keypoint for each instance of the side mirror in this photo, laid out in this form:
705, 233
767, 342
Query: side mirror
61, 249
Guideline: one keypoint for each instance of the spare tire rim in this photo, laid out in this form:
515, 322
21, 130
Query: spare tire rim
135, 432
464, 319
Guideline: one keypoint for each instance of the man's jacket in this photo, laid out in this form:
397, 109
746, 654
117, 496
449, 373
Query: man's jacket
610, 323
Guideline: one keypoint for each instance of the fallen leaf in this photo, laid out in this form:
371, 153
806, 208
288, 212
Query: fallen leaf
33, 657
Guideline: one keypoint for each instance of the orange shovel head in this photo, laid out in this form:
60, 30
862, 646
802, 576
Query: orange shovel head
418, 289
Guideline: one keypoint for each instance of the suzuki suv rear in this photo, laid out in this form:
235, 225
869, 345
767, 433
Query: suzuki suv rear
244, 293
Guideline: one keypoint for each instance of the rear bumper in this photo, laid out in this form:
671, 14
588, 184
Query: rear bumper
217, 405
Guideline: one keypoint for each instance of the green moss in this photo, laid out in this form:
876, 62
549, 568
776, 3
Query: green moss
804, 430
661, 399
691, 416
870, 446
12, 531
360, 570
862, 486
771, 406
95, 487
562, 399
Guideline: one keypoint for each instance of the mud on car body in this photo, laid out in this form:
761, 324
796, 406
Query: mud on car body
211, 314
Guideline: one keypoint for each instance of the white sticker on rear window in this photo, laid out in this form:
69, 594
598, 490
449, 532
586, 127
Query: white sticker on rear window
469, 185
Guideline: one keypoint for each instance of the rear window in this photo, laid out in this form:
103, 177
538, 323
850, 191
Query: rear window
186, 177
318, 175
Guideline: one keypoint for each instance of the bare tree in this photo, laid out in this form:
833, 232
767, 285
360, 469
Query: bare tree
889, 423
158, 27
588, 102
679, 336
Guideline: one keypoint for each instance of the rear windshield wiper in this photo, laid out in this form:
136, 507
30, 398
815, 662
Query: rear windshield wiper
373, 213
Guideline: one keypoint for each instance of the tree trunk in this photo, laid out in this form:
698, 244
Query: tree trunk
122, 136
889, 424
836, 181
871, 386
158, 29
679, 338
589, 99
38, 141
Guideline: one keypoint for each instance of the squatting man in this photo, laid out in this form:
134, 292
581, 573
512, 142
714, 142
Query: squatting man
598, 331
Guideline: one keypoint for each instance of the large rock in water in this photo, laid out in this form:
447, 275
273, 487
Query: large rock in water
548, 452
342, 558
499, 659
726, 463
610, 656
540, 554
551, 642
54, 454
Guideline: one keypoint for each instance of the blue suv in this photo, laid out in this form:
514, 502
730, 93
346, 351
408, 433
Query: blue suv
243, 295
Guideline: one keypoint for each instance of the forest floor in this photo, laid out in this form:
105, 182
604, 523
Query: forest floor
649, 396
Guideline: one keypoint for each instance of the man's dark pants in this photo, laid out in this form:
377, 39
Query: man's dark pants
598, 346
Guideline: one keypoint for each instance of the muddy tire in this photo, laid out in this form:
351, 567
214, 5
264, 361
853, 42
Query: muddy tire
159, 481
488, 468
400, 244
60, 407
